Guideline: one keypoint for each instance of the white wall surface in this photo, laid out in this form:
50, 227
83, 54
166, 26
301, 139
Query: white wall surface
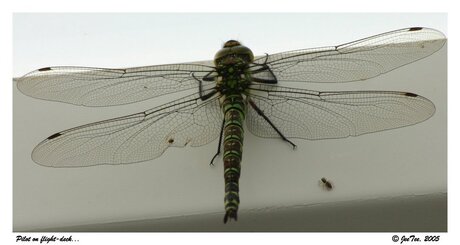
402, 162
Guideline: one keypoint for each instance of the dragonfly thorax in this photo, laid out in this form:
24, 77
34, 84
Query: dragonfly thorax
233, 79
232, 63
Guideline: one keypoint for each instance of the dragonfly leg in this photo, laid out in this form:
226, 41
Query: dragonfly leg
203, 97
261, 113
207, 77
266, 58
220, 142
270, 77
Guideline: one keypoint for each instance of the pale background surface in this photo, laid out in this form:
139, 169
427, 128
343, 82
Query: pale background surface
404, 162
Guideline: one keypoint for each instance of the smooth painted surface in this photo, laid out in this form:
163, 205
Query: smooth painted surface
402, 162
424, 213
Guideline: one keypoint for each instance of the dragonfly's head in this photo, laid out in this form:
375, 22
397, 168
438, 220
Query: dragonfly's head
233, 52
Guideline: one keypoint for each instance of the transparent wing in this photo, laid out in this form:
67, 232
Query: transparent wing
104, 87
358, 60
313, 115
134, 138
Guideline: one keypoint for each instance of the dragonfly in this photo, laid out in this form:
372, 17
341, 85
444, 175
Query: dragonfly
233, 92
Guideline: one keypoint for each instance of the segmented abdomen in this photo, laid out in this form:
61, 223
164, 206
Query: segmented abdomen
234, 108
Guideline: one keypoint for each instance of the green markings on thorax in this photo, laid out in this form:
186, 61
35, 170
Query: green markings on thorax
234, 78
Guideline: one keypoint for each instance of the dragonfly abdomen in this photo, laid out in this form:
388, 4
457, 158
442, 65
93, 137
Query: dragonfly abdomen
233, 107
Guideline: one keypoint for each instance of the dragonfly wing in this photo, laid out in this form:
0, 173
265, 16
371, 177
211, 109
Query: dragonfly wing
358, 60
134, 138
313, 115
104, 87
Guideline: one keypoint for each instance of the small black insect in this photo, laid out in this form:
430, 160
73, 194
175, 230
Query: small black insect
326, 184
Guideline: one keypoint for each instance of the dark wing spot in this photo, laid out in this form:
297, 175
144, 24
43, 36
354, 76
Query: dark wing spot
54, 136
415, 29
170, 141
45, 69
410, 94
